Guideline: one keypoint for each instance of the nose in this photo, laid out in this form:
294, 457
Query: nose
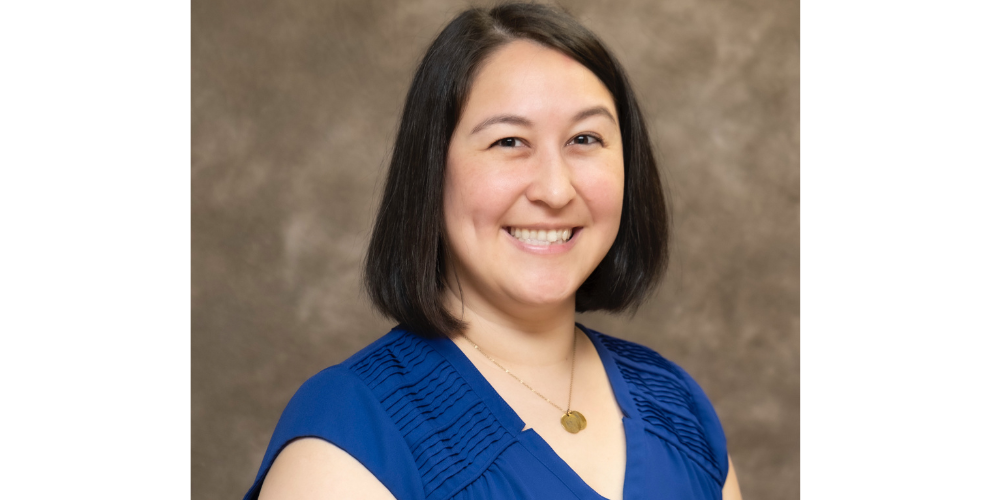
551, 183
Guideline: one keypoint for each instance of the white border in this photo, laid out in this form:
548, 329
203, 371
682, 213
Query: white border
901, 249
95, 264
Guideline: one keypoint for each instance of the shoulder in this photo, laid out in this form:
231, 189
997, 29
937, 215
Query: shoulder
357, 386
671, 403
339, 407
637, 358
403, 411
337, 395
312, 468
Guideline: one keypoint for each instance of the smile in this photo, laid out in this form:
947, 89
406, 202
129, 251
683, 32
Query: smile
542, 237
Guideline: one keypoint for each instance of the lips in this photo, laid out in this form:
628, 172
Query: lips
541, 237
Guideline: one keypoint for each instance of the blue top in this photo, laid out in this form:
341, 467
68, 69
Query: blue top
419, 416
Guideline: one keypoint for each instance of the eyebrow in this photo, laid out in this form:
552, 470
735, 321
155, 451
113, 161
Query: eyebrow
597, 110
525, 122
512, 119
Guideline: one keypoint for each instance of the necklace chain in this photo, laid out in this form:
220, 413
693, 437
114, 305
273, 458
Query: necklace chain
569, 391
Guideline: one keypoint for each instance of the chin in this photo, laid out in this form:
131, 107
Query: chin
549, 295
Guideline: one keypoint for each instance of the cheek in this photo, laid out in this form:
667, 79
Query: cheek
476, 199
604, 195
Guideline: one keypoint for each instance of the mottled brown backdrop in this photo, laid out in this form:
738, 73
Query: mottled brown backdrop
294, 107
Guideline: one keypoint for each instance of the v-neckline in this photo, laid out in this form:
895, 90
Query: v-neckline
531, 439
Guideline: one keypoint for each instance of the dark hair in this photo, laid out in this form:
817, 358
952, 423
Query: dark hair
406, 260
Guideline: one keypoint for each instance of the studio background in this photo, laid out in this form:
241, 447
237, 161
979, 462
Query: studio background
294, 110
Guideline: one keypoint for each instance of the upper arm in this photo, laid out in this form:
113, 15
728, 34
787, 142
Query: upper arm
731, 489
313, 469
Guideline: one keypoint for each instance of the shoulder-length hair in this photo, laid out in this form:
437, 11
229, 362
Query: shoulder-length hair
405, 267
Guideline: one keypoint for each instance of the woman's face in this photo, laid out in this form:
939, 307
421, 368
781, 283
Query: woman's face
534, 180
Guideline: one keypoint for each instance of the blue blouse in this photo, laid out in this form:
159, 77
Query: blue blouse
419, 416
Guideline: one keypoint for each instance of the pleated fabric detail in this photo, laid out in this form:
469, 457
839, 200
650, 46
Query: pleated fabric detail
451, 433
495, 482
665, 401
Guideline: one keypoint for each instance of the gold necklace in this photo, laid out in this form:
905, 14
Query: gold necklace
572, 421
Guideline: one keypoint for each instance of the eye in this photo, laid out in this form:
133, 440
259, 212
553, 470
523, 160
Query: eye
508, 142
585, 139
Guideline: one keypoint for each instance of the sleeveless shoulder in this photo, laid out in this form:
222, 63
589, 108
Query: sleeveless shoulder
336, 406
671, 403
401, 409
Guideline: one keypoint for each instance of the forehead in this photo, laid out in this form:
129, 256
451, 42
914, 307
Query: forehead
528, 78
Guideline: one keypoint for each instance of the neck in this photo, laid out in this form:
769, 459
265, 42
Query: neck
538, 338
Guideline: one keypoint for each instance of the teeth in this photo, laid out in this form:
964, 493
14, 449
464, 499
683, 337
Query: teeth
541, 236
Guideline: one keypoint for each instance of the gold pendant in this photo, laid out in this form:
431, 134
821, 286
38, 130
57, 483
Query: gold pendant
573, 422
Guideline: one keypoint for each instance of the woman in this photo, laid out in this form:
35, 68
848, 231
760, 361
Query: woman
522, 188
